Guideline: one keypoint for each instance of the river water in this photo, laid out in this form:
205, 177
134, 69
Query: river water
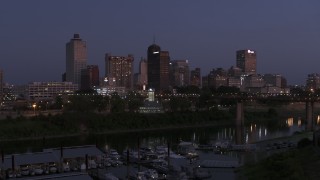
201, 135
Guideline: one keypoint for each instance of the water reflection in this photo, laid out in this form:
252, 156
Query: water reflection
121, 141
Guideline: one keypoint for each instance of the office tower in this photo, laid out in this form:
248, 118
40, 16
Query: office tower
195, 77
272, 79
90, 77
158, 68
234, 72
313, 82
217, 77
48, 90
119, 71
142, 76
76, 59
179, 73
247, 61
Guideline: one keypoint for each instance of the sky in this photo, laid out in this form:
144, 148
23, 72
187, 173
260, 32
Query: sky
285, 34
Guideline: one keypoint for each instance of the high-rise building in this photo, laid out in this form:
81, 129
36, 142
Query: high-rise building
48, 90
142, 76
247, 61
76, 59
158, 68
217, 77
272, 79
90, 77
195, 77
119, 71
313, 82
179, 73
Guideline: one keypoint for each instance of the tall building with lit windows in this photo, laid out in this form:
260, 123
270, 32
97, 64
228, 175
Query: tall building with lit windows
158, 68
119, 71
76, 59
247, 61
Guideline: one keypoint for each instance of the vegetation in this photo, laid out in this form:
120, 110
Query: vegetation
301, 163
91, 122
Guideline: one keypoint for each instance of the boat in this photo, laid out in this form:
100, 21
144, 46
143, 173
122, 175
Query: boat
151, 174
187, 149
160, 165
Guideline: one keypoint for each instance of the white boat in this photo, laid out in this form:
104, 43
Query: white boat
112, 153
38, 170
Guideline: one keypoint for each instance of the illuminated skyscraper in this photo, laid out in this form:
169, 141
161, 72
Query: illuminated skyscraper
158, 68
247, 61
119, 71
76, 59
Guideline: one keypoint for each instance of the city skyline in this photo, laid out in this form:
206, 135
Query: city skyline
284, 34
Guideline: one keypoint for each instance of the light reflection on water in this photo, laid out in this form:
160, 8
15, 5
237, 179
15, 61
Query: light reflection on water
121, 141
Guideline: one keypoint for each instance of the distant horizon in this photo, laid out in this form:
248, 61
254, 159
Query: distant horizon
285, 34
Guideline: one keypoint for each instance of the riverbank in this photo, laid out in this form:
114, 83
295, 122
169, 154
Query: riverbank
71, 124
300, 163
83, 123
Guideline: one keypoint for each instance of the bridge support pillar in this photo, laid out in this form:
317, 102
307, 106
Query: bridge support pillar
240, 114
309, 115
239, 136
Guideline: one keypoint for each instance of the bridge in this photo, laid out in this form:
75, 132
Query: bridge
309, 99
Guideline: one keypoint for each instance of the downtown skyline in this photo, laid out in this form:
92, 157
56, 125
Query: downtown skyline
285, 35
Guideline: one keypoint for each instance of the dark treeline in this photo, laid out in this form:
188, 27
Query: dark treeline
70, 123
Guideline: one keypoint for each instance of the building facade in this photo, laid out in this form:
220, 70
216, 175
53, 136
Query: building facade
90, 77
119, 71
142, 76
76, 59
179, 73
247, 61
195, 77
49, 90
158, 68
313, 82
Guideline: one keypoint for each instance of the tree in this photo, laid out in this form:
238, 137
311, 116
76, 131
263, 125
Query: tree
117, 103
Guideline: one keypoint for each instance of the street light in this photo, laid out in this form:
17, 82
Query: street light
34, 108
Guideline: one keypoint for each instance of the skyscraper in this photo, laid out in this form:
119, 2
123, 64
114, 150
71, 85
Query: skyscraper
142, 76
76, 59
158, 68
195, 77
119, 70
179, 73
247, 61
90, 77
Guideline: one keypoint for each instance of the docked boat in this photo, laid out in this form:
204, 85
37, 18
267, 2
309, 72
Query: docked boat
187, 149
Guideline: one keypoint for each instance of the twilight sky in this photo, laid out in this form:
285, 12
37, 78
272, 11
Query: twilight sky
285, 34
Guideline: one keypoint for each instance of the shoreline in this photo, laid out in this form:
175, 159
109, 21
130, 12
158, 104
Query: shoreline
118, 132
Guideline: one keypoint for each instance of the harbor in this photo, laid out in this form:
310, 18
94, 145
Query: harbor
91, 162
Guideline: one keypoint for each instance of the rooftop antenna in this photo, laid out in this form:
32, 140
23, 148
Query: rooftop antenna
154, 39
